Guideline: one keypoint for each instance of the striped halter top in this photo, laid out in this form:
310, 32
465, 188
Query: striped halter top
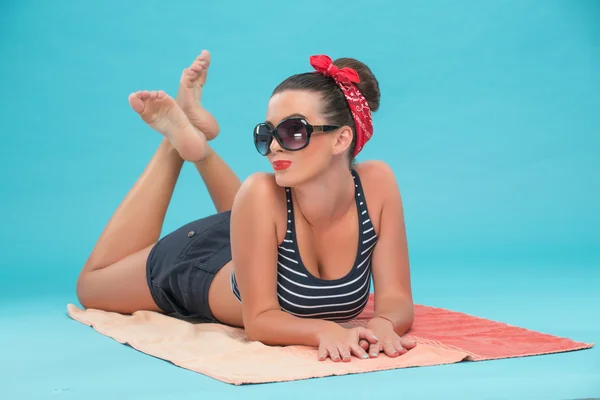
304, 295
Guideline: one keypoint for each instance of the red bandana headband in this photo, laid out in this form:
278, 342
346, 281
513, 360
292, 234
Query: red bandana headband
345, 77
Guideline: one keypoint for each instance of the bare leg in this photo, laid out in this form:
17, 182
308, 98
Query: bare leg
220, 180
138, 221
114, 276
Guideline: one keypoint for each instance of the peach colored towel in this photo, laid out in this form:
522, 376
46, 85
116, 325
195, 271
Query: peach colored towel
223, 352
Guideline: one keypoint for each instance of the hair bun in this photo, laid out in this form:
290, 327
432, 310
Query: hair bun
368, 86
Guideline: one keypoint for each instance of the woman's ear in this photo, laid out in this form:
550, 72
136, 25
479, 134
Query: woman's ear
343, 140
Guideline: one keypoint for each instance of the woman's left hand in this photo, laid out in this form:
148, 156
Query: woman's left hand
389, 342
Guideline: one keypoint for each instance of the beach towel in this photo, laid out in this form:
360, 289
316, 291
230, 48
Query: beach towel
224, 353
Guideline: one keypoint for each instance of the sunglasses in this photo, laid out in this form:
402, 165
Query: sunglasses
292, 134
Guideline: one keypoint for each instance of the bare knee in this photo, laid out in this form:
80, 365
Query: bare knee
82, 289
119, 287
89, 288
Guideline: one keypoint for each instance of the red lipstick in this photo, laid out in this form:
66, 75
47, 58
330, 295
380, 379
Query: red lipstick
281, 164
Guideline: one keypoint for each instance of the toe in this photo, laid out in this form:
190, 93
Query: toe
187, 77
136, 102
204, 56
161, 94
196, 67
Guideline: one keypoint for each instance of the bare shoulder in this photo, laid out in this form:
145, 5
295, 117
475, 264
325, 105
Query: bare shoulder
380, 187
259, 195
376, 172
258, 185
259, 189
378, 180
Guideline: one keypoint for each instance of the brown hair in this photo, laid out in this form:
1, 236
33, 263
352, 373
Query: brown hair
336, 108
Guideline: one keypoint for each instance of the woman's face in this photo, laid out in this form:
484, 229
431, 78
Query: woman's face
292, 168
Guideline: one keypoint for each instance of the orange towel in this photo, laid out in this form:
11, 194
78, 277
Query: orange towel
225, 354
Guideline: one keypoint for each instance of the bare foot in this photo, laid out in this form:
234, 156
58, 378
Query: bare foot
189, 95
162, 113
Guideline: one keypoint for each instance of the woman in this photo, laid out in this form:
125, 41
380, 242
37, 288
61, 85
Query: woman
288, 255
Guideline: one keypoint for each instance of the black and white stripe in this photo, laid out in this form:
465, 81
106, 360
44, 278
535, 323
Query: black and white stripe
304, 295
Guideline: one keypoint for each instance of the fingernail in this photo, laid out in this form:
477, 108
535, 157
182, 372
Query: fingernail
373, 354
376, 338
365, 356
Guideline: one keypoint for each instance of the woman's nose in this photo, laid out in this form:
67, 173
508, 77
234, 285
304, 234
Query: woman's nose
275, 146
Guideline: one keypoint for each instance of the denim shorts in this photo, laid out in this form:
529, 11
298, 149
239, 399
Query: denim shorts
182, 265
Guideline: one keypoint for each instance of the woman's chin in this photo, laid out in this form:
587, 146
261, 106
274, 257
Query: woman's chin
283, 178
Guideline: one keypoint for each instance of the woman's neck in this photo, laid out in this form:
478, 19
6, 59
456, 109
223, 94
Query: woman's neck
326, 198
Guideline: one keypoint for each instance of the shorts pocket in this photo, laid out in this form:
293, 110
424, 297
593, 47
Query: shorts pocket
218, 258
201, 237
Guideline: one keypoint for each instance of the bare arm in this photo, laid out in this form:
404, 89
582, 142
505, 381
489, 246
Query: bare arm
390, 262
254, 249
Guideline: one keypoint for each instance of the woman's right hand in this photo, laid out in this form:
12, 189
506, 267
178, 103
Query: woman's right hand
340, 343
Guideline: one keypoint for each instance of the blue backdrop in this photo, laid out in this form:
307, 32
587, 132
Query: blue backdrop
489, 117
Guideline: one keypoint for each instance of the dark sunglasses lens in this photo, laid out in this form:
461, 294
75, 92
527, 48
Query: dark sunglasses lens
262, 139
293, 134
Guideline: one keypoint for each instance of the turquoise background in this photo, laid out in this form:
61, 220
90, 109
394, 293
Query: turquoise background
489, 117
